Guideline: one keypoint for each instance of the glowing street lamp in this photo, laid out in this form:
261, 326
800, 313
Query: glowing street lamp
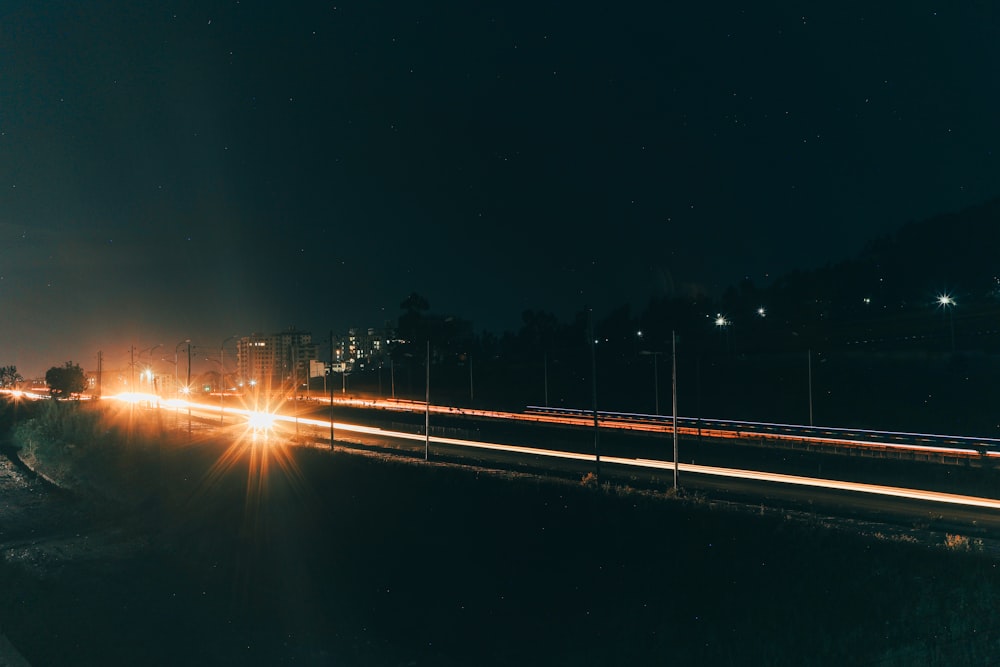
946, 302
186, 389
147, 374
177, 380
722, 324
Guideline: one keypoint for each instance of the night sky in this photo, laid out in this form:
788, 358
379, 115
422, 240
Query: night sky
174, 170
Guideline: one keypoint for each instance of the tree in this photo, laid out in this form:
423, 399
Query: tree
412, 325
415, 303
9, 377
66, 380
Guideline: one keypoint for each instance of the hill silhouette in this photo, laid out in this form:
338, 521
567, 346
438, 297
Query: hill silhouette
859, 343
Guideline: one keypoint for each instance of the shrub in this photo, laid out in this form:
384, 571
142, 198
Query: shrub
956, 542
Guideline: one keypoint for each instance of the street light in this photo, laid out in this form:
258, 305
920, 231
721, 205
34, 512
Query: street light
722, 324
593, 390
946, 302
427, 405
187, 386
135, 359
222, 376
177, 380
673, 409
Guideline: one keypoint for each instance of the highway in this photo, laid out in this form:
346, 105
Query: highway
975, 512
926, 444
979, 515
952, 446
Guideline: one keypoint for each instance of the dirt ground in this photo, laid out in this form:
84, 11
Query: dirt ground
43, 528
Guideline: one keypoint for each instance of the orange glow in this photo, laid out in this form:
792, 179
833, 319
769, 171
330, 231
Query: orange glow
136, 397
260, 422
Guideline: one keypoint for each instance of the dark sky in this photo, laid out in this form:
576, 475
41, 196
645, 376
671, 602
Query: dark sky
174, 170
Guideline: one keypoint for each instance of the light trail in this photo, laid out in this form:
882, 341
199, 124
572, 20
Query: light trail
777, 478
626, 422
634, 422
840, 485
688, 468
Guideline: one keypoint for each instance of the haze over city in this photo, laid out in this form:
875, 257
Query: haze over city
188, 170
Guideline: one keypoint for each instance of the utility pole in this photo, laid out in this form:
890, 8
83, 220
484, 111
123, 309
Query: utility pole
222, 382
295, 383
593, 385
331, 389
656, 384
100, 371
427, 405
222, 378
131, 404
189, 387
673, 345
809, 366
545, 378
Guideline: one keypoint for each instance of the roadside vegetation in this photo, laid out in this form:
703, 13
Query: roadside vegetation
85, 447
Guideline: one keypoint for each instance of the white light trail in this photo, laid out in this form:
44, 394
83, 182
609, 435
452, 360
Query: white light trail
690, 468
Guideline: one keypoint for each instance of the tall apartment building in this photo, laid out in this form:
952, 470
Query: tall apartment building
277, 360
360, 349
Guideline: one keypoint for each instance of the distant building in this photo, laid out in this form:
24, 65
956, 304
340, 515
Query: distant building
361, 349
277, 360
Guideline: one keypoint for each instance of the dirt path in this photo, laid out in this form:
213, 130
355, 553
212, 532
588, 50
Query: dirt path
42, 527
9, 657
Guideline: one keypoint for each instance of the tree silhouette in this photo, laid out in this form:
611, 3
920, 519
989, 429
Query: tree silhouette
9, 377
66, 380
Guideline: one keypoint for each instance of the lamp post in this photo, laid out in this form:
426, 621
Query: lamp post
133, 360
187, 387
593, 391
656, 378
177, 380
222, 376
330, 372
545, 377
809, 368
427, 405
295, 384
673, 419
946, 302
722, 322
